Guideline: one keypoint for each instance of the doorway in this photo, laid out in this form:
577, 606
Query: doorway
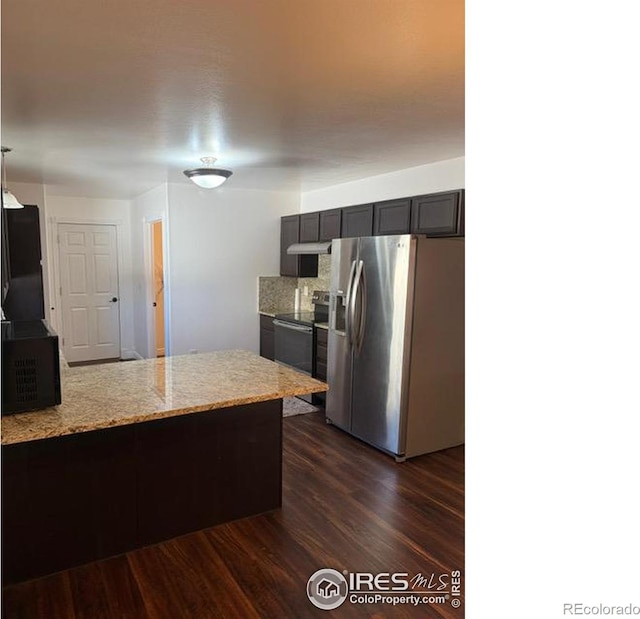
88, 259
156, 277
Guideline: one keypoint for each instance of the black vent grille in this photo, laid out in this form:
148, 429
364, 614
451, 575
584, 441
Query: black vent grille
26, 380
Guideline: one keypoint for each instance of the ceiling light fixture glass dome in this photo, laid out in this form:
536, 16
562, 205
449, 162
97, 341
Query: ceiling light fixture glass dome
208, 177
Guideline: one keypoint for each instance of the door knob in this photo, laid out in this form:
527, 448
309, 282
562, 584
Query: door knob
114, 299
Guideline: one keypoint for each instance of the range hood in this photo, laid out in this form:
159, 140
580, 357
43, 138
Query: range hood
323, 247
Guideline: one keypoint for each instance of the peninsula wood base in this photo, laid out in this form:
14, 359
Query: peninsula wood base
75, 499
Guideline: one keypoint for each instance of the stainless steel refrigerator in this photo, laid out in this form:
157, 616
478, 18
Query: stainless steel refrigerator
396, 342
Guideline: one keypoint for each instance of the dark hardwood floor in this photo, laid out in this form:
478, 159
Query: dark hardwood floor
345, 506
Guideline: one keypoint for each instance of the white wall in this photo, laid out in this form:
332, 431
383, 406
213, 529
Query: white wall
430, 178
220, 241
149, 206
65, 209
28, 193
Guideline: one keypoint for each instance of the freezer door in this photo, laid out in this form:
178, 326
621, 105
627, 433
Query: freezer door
380, 364
344, 253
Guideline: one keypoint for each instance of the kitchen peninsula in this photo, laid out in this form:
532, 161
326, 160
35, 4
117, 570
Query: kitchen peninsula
140, 452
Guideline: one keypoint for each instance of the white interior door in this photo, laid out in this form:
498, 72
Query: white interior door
89, 292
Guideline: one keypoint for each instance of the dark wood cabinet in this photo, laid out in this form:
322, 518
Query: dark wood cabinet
67, 501
392, 217
320, 368
357, 221
309, 227
330, 224
22, 273
435, 214
4, 248
23, 229
267, 337
289, 234
292, 265
438, 214
75, 499
320, 361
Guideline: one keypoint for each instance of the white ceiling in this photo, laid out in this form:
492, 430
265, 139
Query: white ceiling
114, 97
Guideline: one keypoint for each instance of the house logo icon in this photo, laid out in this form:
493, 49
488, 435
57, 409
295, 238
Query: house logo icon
327, 589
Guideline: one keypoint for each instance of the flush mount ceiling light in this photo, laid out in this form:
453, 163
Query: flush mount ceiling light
208, 177
8, 199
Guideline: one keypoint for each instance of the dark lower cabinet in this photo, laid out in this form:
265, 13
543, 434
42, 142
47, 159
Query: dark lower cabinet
75, 499
320, 361
229, 467
67, 501
438, 214
357, 221
330, 224
267, 337
392, 217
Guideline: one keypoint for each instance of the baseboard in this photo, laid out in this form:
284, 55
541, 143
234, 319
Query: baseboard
130, 354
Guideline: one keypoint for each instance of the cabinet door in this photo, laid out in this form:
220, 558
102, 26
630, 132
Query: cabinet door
320, 370
294, 266
330, 224
309, 227
289, 234
320, 363
438, 214
267, 337
357, 221
392, 217
23, 232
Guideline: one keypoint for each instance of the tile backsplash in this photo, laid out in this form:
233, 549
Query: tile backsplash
277, 294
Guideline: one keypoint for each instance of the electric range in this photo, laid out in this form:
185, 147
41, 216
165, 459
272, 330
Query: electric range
294, 334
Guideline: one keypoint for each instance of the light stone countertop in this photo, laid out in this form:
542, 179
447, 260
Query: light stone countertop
114, 394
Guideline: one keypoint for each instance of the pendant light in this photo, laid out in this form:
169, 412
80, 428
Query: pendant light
208, 177
8, 199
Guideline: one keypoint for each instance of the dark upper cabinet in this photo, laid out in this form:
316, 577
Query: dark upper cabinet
438, 214
291, 265
330, 224
357, 221
23, 236
23, 287
4, 247
289, 234
392, 217
309, 227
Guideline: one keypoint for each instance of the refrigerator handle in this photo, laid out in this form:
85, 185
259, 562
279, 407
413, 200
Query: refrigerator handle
348, 318
356, 292
361, 291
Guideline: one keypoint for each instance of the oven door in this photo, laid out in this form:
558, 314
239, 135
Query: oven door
294, 345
